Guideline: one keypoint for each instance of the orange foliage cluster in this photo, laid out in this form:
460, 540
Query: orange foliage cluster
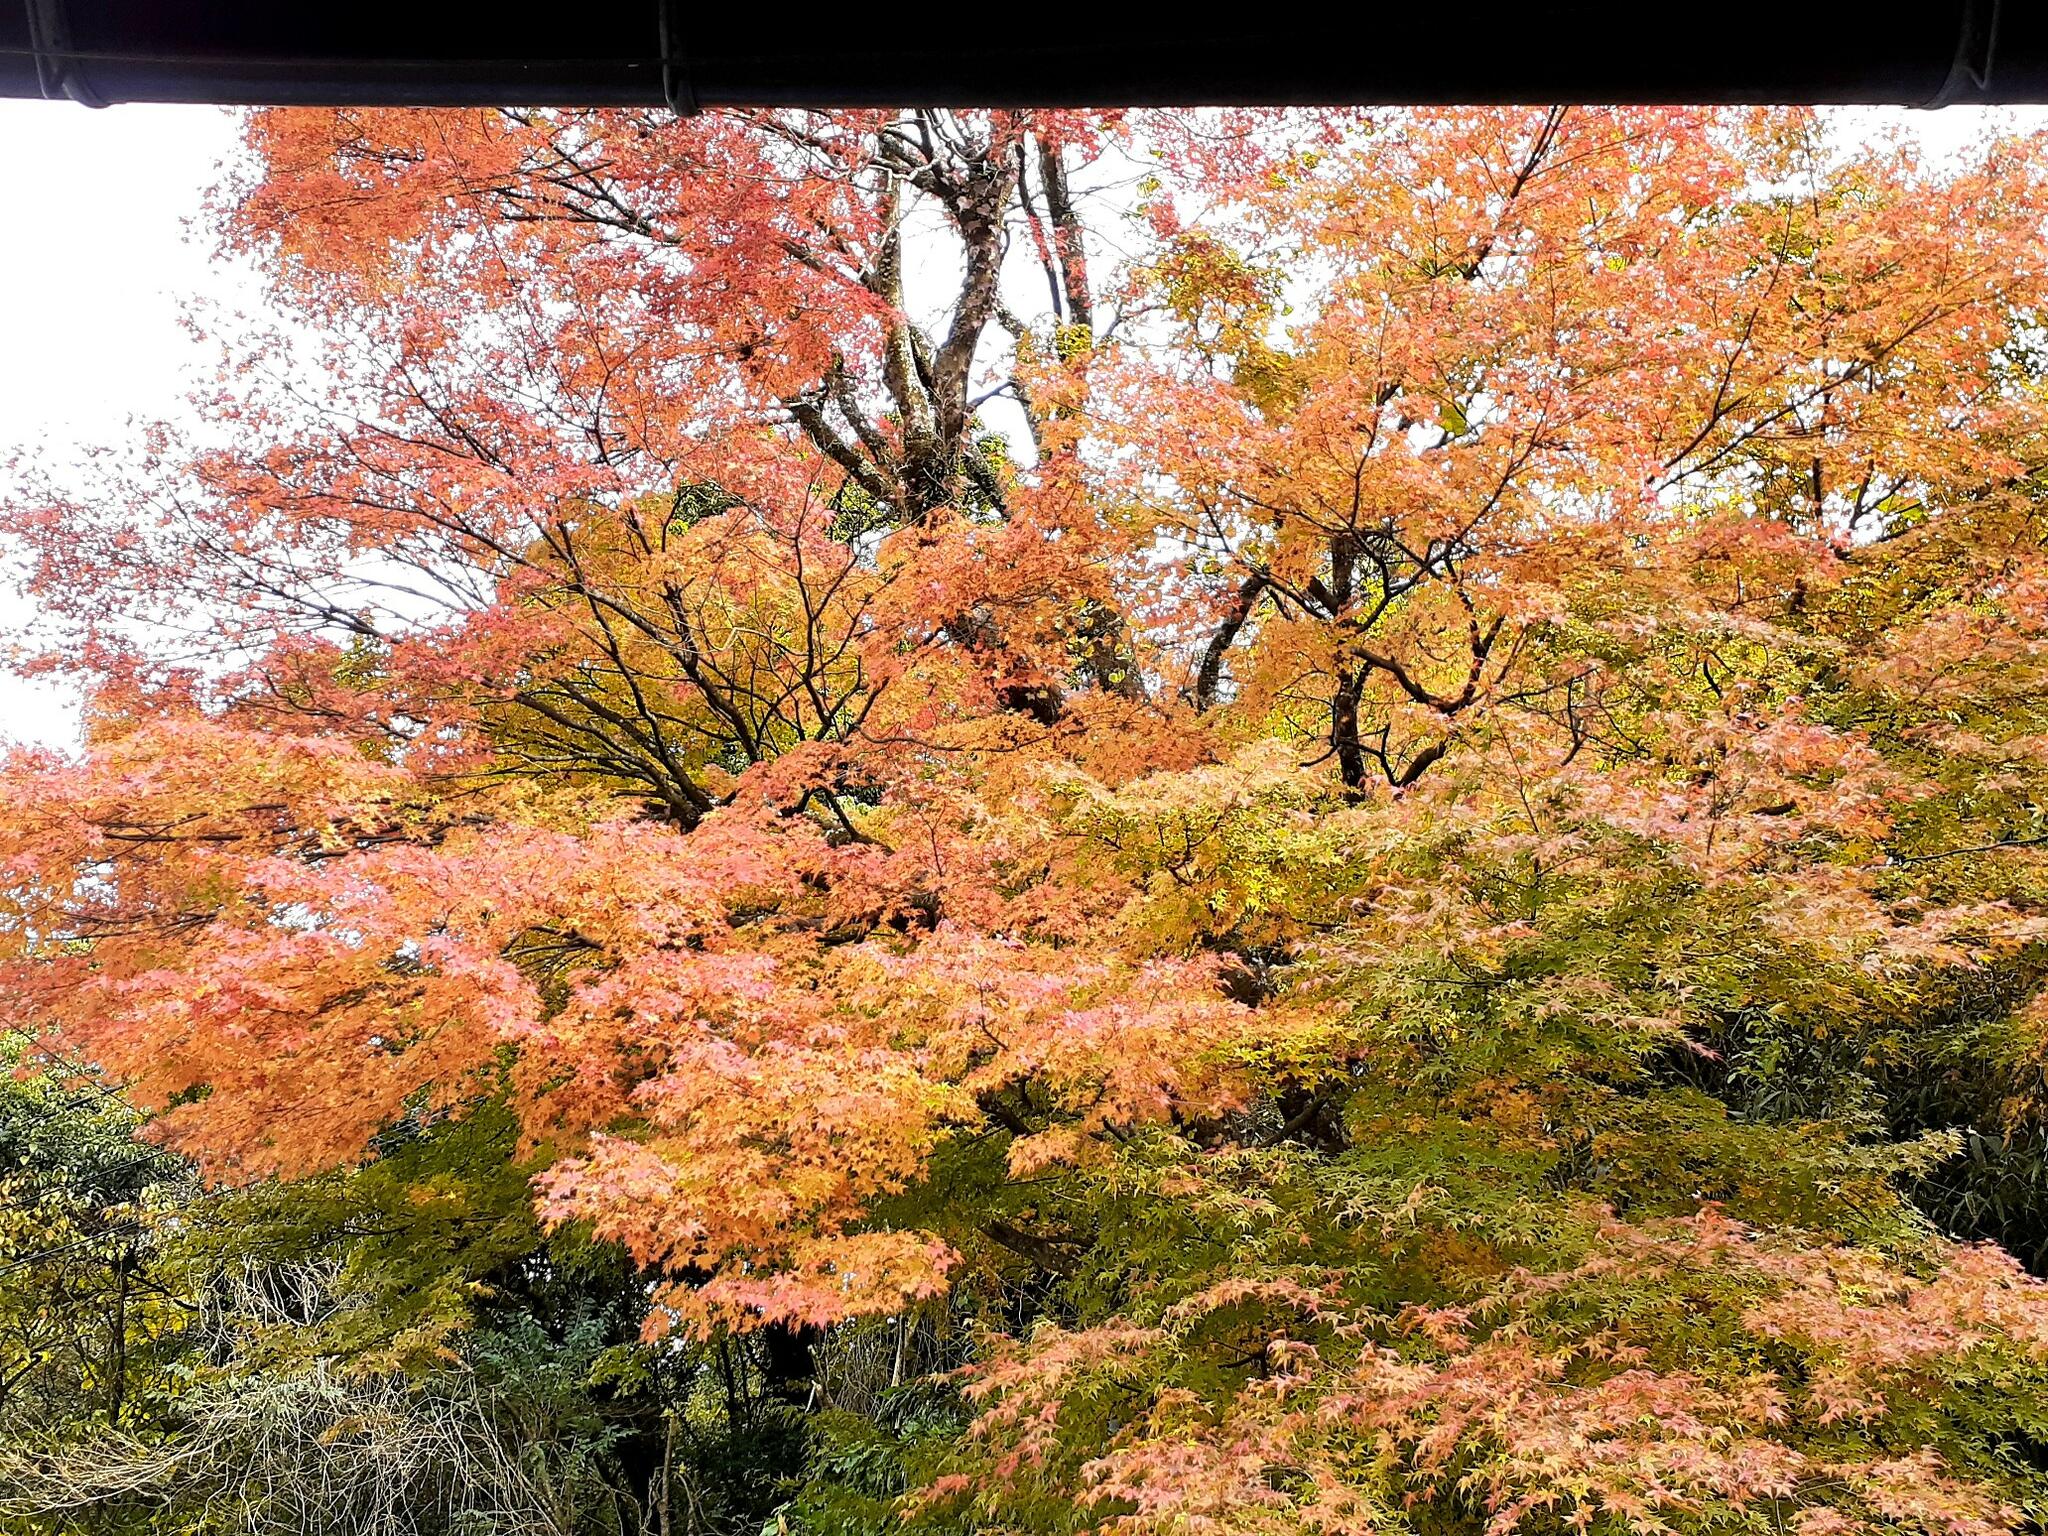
1467, 603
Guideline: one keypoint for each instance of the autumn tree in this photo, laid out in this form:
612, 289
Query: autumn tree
1344, 811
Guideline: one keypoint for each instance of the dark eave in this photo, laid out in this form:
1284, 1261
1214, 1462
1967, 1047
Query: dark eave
605, 52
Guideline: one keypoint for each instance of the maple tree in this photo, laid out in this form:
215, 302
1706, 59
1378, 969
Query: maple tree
1370, 785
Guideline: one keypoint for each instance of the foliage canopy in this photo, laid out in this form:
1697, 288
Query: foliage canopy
1205, 824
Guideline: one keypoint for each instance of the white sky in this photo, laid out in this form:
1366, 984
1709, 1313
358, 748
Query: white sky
95, 269
98, 266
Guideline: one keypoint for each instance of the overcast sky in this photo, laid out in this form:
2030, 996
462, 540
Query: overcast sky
94, 270
97, 267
